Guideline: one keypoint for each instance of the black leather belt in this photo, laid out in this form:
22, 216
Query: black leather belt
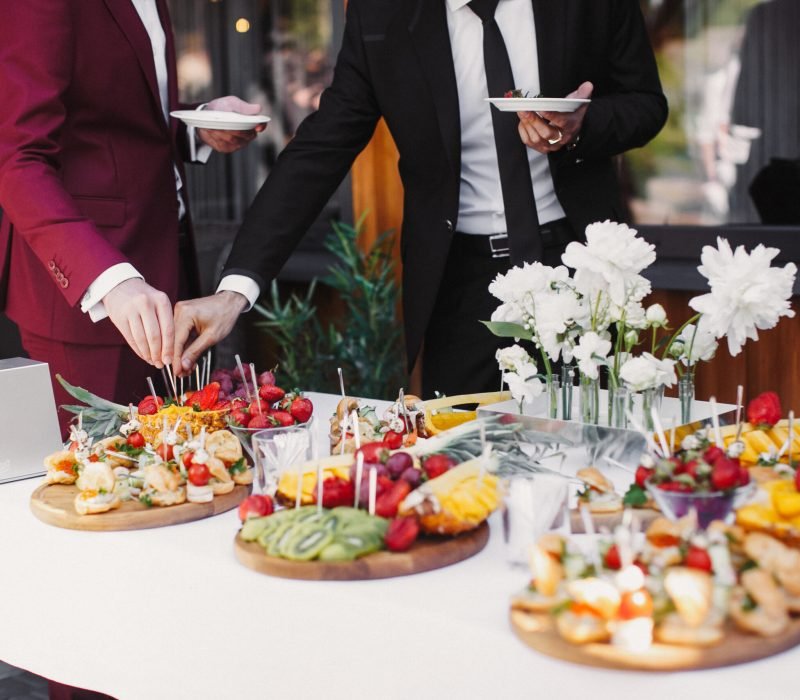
554, 234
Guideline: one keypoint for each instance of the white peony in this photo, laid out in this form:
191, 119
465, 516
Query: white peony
746, 294
524, 390
509, 313
647, 371
697, 343
656, 316
610, 262
515, 359
520, 283
591, 352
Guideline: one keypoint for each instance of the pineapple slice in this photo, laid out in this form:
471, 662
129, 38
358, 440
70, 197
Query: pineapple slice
457, 501
437, 421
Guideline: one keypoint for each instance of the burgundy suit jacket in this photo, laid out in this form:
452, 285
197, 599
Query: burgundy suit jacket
86, 160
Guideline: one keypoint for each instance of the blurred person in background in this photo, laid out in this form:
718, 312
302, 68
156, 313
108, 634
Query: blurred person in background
96, 240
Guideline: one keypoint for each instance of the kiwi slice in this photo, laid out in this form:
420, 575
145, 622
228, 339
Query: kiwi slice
306, 543
253, 527
337, 551
276, 538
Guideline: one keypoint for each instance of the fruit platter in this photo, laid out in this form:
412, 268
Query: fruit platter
678, 598
382, 512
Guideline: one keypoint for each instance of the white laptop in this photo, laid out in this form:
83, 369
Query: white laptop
28, 422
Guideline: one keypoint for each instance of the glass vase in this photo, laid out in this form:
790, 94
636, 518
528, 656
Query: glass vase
553, 385
620, 402
590, 399
651, 401
686, 397
567, 382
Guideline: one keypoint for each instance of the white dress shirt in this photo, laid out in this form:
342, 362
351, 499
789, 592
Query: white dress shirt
480, 206
92, 301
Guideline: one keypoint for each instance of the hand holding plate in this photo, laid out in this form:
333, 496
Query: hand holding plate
228, 141
547, 132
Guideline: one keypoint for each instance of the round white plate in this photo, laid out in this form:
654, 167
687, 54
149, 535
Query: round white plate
537, 104
211, 119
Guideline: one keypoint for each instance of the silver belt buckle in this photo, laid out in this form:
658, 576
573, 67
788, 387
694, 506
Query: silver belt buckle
499, 251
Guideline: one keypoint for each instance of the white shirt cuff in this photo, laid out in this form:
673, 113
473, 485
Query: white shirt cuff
199, 152
92, 301
242, 284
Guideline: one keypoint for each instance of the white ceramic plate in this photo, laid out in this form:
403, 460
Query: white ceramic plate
537, 104
211, 119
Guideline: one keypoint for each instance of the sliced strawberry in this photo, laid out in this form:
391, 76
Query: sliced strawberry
401, 534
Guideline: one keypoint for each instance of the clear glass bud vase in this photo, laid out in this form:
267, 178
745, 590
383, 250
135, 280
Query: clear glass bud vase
686, 397
590, 399
553, 385
567, 383
619, 403
651, 400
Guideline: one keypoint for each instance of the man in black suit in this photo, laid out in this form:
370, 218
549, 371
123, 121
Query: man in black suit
483, 190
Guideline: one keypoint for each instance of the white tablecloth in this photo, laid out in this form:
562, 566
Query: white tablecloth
170, 613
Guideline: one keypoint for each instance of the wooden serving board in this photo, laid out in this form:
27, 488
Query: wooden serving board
54, 505
611, 520
426, 554
538, 631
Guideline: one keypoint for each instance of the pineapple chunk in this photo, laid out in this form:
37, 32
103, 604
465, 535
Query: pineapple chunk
786, 503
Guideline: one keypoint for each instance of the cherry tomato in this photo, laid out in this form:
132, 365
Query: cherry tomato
698, 558
393, 440
635, 604
187, 459
198, 474
136, 440
165, 452
612, 560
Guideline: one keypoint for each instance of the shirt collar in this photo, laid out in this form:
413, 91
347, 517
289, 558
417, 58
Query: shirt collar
455, 5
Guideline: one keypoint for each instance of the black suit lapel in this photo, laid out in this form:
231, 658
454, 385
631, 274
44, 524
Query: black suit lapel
552, 19
431, 40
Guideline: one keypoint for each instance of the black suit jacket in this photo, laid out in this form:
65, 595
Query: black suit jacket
396, 63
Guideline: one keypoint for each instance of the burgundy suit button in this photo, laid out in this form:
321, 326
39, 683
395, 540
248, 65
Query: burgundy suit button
64, 282
52, 265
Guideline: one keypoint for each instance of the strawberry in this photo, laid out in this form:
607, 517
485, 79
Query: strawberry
389, 501
150, 405
258, 407
698, 558
281, 418
612, 559
401, 534
676, 486
240, 416
725, 474
797, 479
260, 422
744, 476
642, 475
374, 452
712, 454
207, 396
690, 468
255, 506
271, 393
301, 409
437, 464
764, 411
337, 492
221, 406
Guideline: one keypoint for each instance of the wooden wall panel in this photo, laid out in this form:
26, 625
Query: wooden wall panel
770, 364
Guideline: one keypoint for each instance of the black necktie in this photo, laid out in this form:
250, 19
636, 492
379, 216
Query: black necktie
512, 155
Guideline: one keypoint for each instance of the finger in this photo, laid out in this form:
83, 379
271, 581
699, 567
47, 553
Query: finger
152, 331
239, 105
140, 345
584, 91
184, 324
191, 354
167, 326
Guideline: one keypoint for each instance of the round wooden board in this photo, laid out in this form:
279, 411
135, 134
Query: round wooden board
611, 520
425, 555
54, 505
539, 632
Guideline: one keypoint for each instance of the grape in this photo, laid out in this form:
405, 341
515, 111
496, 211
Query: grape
220, 375
413, 476
398, 463
380, 470
266, 378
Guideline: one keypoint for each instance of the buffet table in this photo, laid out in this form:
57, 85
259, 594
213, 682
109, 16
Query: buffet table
169, 613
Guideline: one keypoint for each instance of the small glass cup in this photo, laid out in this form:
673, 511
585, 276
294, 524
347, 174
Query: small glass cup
534, 504
277, 449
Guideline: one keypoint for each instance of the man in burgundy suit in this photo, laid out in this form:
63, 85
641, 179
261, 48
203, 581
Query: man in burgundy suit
95, 242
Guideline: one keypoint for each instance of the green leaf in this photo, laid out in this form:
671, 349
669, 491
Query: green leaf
504, 329
636, 497
88, 397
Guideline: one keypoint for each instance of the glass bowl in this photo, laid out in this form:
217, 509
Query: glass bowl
709, 505
245, 435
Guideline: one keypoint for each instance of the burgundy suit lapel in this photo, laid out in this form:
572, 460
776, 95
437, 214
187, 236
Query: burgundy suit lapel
172, 77
431, 39
130, 23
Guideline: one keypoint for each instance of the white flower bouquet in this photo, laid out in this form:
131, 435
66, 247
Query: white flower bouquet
594, 317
